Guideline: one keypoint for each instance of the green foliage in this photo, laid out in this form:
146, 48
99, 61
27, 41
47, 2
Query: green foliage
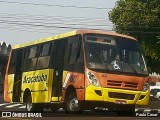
140, 19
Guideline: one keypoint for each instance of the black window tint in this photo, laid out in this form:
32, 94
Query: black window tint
44, 58
68, 52
46, 49
30, 64
32, 52
79, 57
31, 59
12, 65
73, 50
43, 62
13, 57
74, 60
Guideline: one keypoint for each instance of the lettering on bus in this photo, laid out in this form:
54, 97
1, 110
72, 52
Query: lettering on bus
37, 78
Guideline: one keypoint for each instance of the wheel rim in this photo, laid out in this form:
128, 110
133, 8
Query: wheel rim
73, 105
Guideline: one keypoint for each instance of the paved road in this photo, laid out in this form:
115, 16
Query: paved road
153, 107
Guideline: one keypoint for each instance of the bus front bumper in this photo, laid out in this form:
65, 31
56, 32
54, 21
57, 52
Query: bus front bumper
117, 96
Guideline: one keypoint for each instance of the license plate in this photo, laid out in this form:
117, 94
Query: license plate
120, 102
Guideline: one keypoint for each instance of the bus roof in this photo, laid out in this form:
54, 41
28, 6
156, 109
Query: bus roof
70, 34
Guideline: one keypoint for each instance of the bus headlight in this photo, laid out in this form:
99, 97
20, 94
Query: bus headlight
145, 87
92, 79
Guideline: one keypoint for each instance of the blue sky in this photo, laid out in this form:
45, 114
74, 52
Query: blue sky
21, 23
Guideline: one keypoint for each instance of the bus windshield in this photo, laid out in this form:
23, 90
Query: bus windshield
114, 53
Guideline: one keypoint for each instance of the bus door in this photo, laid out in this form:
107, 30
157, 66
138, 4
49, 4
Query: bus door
17, 76
59, 52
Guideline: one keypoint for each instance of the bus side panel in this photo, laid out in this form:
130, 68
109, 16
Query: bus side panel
7, 97
8, 87
50, 81
79, 85
77, 81
37, 83
64, 84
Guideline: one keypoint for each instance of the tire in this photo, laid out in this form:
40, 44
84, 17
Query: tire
30, 107
73, 105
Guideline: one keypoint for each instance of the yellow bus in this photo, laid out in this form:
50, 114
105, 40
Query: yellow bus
78, 70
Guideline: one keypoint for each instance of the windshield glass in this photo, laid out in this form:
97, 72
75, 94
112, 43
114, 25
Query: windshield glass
114, 54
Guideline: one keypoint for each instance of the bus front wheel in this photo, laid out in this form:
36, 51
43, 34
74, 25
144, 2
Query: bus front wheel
73, 105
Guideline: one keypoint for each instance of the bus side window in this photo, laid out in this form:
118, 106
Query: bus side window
79, 57
31, 58
44, 57
74, 55
68, 52
72, 50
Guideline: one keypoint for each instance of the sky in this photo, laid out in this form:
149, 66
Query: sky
28, 20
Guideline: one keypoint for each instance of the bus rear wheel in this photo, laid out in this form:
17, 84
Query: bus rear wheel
73, 105
32, 106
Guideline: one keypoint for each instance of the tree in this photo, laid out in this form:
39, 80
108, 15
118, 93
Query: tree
140, 19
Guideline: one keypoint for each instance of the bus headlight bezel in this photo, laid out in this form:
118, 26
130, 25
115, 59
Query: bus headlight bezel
92, 79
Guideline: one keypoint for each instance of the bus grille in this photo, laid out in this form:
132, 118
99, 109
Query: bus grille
120, 84
121, 95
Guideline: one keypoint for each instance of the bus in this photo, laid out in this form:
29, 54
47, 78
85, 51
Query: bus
78, 70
